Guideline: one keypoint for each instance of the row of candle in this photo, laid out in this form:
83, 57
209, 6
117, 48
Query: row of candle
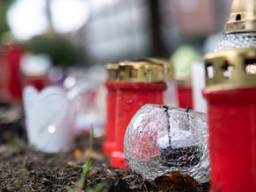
231, 111
230, 92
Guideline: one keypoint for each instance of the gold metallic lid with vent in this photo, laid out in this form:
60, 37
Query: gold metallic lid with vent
141, 71
112, 71
242, 16
231, 69
168, 67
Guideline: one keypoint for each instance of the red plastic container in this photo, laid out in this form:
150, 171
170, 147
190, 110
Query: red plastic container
232, 127
232, 121
130, 98
4, 79
109, 142
11, 57
185, 96
139, 83
37, 81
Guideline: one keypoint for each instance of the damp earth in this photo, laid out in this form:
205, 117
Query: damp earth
26, 170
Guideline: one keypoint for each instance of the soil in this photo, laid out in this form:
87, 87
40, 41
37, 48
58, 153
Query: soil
26, 170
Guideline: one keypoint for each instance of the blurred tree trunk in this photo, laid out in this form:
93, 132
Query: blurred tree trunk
158, 49
49, 15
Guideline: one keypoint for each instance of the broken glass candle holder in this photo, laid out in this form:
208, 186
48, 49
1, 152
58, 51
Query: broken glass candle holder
160, 140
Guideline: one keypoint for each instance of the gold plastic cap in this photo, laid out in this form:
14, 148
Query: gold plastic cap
168, 67
141, 71
231, 69
242, 16
112, 71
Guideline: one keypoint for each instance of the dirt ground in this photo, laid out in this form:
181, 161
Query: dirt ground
23, 169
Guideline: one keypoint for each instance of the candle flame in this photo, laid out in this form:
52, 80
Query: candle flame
51, 129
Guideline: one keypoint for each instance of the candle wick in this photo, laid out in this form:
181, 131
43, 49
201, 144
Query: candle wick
188, 109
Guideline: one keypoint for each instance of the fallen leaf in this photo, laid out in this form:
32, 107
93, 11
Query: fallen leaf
79, 154
177, 182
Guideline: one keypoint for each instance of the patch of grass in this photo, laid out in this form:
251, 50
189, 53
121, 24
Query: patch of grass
87, 165
98, 188
23, 177
86, 168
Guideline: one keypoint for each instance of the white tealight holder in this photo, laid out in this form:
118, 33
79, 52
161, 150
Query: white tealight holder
49, 119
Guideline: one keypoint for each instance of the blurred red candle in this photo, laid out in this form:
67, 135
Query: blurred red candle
185, 94
10, 81
35, 71
109, 142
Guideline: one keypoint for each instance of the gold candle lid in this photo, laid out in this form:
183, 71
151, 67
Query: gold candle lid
231, 69
242, 16
140, 71
168, 67
112, 70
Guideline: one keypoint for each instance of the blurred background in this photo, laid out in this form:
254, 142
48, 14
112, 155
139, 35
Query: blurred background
102, 31
68, 42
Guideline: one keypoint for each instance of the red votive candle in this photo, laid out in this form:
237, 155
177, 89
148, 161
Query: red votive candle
231, 93
138, 83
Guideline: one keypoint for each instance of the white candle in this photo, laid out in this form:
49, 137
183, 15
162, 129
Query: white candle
198, 83
49, 119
